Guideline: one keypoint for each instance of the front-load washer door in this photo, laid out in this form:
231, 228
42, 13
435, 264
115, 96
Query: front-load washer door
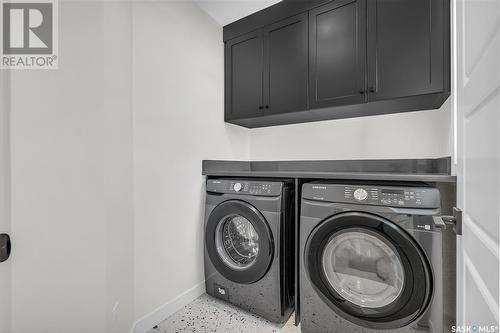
368, 270
239, 241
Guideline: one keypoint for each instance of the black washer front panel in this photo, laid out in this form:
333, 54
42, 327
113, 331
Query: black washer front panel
264, 257
417, 291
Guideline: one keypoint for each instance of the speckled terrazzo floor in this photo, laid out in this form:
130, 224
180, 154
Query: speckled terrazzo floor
207, 314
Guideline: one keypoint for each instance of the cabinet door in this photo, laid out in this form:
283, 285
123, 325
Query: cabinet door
337, 53
243, 76
286, 65
406, 50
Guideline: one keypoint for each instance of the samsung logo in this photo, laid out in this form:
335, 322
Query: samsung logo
316, 187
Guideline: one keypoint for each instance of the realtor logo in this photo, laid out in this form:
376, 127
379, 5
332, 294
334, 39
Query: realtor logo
29, 34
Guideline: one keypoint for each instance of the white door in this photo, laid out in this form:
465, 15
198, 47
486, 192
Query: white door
477, 37
4, 200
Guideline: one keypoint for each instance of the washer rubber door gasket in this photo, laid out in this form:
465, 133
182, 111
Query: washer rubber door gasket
415, 294
221, 214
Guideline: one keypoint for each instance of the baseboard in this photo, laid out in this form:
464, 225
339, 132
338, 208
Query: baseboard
152, 319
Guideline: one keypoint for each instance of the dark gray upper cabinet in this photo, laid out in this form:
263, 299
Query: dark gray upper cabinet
285, 65
405, 48
310, 60
244, 61
337, 48
266, 70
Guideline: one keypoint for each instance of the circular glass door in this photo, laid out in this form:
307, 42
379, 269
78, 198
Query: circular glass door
363, 268
368, 270
239, 241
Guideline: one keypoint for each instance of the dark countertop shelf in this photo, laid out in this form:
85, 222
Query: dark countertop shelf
411, 170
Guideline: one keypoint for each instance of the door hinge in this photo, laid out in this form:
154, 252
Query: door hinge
5, 247
455, 220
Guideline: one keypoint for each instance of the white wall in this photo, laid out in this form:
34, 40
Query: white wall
117, 148
423, 134
133, 109
225, 12
71, 162
178, 121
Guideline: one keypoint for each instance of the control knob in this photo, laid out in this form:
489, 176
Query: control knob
237, 187
360, 194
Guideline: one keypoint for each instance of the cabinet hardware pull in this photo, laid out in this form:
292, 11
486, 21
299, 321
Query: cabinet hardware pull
267, 106
361, 92
260, 107
372, 90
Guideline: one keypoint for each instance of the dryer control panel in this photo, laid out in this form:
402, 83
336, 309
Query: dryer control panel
393, 196
248, 187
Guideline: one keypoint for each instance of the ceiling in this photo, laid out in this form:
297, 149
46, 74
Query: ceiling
227, 11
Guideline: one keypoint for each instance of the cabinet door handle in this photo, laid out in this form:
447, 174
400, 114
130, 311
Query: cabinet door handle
267, 106
361, 92
260, 107
372, 90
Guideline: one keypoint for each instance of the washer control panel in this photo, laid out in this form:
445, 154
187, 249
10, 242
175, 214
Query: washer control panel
394, 196
244, 187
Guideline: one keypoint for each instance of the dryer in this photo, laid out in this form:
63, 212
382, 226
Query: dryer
371, 258
249, 245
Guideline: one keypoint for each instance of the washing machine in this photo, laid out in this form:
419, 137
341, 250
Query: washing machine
371, 258
249, 245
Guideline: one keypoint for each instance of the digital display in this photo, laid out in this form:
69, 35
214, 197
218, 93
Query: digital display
401, 192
